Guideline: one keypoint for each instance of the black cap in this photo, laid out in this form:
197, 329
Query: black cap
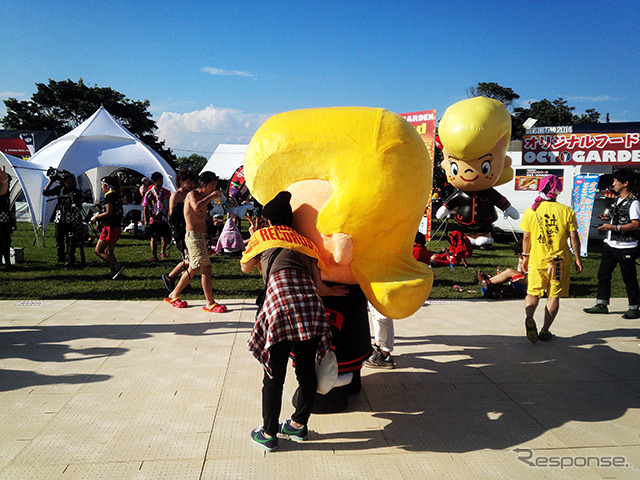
278, 210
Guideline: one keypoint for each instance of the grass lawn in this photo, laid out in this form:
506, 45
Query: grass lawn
40, 278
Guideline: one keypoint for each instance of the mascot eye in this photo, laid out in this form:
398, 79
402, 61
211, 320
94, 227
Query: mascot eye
454, 168
486, 167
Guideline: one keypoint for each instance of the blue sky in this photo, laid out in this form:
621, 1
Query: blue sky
214, 71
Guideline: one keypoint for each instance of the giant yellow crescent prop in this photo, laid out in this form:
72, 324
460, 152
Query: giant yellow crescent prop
360, 179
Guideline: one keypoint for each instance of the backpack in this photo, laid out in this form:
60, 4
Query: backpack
460, 244
178, 226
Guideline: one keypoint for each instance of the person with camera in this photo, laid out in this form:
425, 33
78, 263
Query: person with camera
7, 218
67, 214
110, 218
620, 246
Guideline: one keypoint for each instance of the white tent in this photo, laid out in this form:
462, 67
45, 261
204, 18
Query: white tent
28, 178
100, 142
225, 160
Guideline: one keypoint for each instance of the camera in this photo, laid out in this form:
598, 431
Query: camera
57, 174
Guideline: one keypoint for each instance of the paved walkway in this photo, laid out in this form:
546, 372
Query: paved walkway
120, 390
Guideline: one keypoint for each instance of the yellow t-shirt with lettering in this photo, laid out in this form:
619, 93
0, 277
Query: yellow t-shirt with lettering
557, 220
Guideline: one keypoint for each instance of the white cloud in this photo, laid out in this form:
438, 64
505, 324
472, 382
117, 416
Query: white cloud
596, 99
226, 73
13, 94
201, 131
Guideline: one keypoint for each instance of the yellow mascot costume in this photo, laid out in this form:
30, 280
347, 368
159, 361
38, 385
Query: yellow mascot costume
360, 179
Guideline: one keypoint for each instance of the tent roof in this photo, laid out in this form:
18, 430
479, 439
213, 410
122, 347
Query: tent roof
100, 141
31, 180
225, 160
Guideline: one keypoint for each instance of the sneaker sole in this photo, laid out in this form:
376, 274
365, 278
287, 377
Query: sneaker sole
387, 366
268, 449
295, 438
532, 330
263, 445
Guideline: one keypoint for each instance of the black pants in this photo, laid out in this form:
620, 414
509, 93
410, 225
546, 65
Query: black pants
626, 258
6, 230
305, 364
62, 240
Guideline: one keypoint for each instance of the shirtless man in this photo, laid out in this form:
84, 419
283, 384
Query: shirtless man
195, 212
186, 180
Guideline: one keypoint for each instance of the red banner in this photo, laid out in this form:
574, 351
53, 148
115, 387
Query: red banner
425, 124
15, 146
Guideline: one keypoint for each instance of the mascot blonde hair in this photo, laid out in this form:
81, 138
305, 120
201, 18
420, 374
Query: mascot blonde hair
471, 128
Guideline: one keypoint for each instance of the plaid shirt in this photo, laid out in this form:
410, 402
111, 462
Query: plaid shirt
292, 311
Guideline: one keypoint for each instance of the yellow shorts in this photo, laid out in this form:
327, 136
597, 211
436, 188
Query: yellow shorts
197, 249
540, 282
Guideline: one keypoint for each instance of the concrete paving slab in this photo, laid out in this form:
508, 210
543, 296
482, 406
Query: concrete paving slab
143, 390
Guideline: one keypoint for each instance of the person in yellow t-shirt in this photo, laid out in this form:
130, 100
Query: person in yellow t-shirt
548, 226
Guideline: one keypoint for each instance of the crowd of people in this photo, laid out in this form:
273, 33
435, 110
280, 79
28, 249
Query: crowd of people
291, 318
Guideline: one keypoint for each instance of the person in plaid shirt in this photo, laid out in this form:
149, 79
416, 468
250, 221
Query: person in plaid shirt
291, 319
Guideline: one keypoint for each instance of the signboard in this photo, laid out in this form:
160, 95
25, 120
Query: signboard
425, 124
584, 194
587, 144
528, 179
23, 144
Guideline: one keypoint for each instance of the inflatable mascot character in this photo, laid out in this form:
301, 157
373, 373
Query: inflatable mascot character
359, 179
475, 135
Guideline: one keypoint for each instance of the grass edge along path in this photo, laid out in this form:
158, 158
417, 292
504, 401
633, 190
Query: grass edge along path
39, 278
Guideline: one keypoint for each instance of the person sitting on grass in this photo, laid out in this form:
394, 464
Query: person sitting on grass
515, 278
195, 212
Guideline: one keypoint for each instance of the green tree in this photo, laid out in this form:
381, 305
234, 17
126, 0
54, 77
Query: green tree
193, 162
492, 90
546, 112
61, 106
556, 112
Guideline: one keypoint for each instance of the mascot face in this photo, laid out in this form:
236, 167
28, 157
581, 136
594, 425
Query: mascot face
476, 174
475, 134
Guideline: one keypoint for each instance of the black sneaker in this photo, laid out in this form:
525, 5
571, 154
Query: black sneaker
117, 271
378, 360
286, 430
631, 313
258, 437
545, 336
597, 308
168, 283
532, 329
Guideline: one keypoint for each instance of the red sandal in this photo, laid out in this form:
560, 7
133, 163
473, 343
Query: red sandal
176, 302
217, 308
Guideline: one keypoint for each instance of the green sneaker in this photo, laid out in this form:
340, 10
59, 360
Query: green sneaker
631, 313
258, 437
597, 308
287, 430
